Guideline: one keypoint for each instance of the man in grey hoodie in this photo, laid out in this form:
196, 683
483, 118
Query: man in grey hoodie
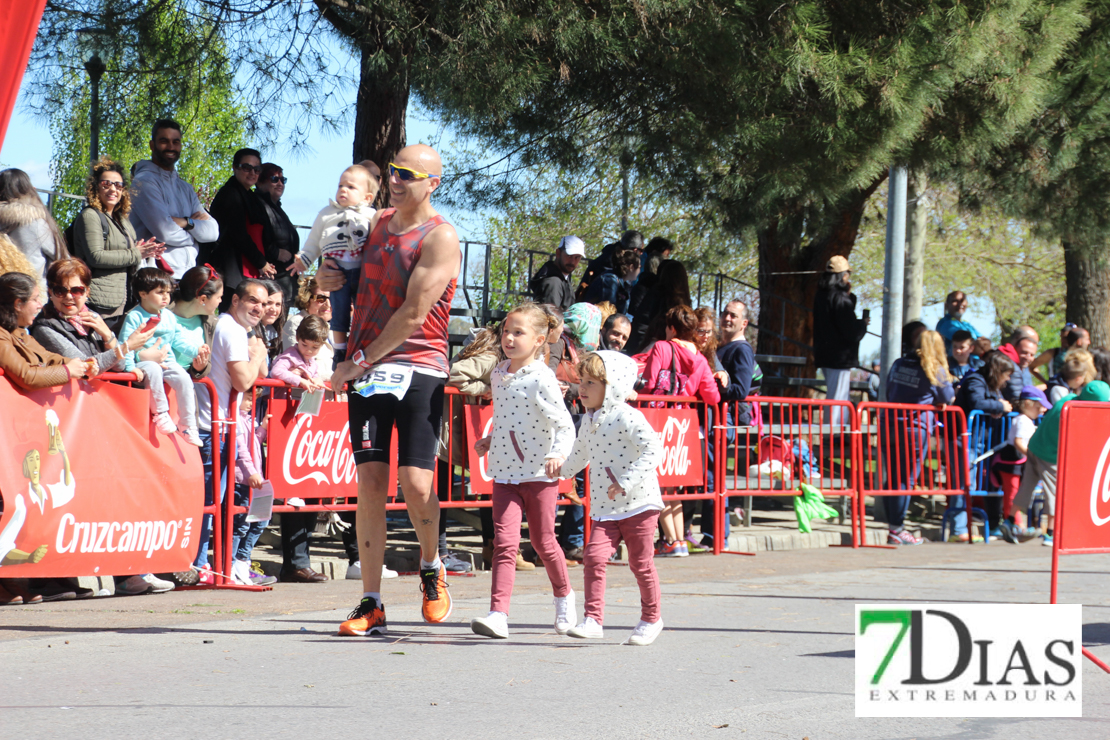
166, 207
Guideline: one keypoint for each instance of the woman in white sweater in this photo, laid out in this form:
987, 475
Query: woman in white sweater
531, 437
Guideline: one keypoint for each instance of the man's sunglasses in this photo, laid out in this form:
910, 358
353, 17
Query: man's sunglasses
275, 179
61, 291
407, 174
249, 167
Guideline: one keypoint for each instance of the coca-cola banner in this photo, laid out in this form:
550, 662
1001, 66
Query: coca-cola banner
677, 428
90, 488
310, 456
1083, 486
682, 454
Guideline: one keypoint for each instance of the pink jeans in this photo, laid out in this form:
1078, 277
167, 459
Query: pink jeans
537, 501
638, 532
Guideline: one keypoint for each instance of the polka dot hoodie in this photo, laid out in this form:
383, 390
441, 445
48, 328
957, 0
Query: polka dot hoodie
530, 422
620, 447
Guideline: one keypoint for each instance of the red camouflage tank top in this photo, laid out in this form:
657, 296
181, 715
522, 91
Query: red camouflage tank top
387, 264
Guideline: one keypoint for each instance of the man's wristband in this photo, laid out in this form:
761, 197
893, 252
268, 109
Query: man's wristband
359, 358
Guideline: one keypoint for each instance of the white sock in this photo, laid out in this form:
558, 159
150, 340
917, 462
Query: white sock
336, 345
375, 595
424, 564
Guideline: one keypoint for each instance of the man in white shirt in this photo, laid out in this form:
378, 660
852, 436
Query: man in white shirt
166, 207
237, 361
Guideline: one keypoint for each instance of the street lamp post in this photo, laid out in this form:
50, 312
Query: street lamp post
91, 38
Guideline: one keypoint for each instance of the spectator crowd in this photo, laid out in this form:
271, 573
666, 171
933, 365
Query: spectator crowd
148, 281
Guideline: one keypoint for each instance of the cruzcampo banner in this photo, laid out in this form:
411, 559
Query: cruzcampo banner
90, 488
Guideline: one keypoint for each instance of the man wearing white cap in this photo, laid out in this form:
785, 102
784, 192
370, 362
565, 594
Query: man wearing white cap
551, 283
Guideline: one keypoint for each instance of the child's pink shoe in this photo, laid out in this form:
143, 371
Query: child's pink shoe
164, 424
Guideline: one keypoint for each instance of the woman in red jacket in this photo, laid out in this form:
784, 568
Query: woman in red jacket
674, 367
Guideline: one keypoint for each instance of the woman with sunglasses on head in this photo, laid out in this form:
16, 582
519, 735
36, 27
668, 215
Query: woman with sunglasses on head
197, 297
68, 327
311, 301
246, 248
105, 240
287, 242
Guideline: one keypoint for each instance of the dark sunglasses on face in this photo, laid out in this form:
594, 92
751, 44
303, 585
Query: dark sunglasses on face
275, 179
61, 291
249, 168
320, 298
111, 184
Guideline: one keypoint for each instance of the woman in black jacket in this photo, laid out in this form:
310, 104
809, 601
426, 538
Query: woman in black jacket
246, 247
286, 240
836, 331
982, 391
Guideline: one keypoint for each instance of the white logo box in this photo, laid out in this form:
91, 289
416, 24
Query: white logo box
969, 660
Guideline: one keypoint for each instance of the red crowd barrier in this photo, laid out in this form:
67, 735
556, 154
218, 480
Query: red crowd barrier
873, 450
907, 450
787, 441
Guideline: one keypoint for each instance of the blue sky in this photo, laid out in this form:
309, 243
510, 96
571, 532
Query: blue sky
312, 177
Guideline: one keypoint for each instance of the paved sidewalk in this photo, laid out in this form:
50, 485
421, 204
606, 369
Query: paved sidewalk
755, 647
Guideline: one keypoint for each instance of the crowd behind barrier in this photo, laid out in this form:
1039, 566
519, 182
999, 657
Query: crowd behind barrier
723, 439
878, 450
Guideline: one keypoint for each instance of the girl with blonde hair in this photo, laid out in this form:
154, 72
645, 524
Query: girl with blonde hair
918, 377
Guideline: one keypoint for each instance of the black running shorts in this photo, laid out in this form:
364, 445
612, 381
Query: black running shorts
417, 417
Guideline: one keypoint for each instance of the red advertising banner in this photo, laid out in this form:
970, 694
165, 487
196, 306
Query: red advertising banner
1083, 481
310, 456
88, 486
677, 428
19, 23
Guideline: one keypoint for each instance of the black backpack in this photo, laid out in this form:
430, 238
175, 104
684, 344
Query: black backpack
104, 224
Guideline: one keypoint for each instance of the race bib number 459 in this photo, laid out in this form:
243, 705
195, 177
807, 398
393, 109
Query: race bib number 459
387, 378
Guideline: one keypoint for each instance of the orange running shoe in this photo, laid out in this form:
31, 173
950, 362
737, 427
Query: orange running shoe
368, 618
437, 599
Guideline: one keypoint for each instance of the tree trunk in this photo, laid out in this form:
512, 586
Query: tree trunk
917, 218
1087, 271
380, 108
785, 299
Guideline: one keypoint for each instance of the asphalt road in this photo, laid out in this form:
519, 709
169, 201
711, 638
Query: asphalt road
754, 647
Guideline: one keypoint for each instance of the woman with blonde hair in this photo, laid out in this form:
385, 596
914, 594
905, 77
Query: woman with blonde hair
12, 260
105, 240
919, 377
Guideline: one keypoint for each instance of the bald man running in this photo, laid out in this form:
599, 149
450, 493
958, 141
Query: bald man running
397, 368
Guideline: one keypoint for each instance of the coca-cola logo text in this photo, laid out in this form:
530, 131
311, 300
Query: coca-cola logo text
323, 456
676, 454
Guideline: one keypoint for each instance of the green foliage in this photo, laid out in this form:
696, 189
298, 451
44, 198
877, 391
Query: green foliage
141, 84
768, 112
556, 201
995, 259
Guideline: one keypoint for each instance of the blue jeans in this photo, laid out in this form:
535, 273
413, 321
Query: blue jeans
905, 446
245, 534
342, 298
206, 458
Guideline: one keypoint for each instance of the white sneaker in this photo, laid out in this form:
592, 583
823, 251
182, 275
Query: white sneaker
645, 633
588, 629
191, 437
294, 501
241, 572
565, 616
164, 423
387, 573
160, 586
354, 571
494, 624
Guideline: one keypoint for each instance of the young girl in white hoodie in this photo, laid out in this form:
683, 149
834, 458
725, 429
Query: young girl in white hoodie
623, 452
532, 435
